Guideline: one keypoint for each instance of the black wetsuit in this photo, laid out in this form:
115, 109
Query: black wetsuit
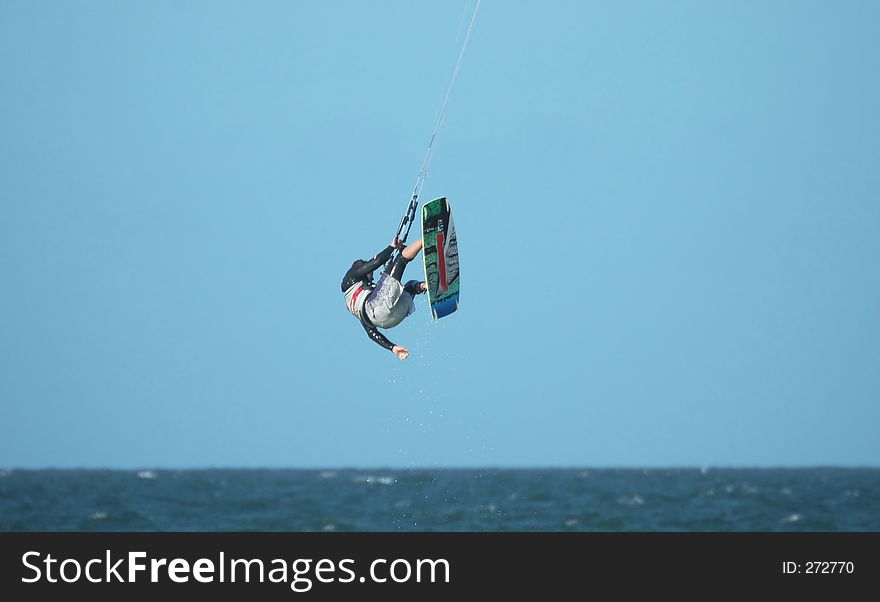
363, 273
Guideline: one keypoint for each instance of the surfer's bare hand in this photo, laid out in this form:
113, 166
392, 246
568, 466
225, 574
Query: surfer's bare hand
401, 352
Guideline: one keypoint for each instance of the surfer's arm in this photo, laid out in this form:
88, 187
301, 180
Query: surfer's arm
376, 262
377, 336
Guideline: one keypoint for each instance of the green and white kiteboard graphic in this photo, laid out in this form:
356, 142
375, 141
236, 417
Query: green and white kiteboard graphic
440, 251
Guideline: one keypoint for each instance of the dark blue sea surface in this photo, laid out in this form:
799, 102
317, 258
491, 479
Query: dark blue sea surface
816, 499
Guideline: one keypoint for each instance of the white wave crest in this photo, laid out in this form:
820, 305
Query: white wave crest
634, 500
374, 480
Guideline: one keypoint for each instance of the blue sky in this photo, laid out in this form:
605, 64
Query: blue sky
668, 222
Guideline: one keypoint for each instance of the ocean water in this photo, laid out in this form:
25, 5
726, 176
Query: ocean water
818, 499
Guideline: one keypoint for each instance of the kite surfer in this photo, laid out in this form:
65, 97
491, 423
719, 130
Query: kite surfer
386, 304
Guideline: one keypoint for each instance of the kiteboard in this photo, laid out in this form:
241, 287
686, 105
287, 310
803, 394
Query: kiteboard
440, 250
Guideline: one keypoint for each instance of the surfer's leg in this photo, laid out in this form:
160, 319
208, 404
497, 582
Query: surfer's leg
412, 250
395, 269
415, 287
407, 255
410, 253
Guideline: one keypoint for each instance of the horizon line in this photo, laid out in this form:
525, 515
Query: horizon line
425, 468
